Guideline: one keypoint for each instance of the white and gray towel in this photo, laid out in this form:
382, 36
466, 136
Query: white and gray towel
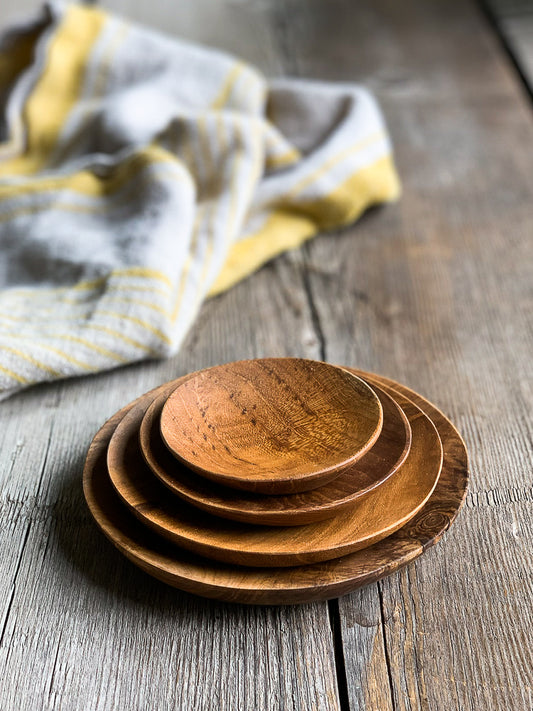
140, 174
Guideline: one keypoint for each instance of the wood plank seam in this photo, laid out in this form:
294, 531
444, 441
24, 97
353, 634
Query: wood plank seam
54, 667
26, 537
315, 316
14, 585
386, 654
333, 606
338, 651
410, 579
494, 19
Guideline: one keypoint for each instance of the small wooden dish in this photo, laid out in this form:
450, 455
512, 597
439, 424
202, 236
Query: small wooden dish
264, 586
374, 467
272, 425
381, 512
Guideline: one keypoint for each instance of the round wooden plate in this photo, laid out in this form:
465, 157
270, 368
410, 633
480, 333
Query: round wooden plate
282, 586
381, 512
271, 425
375, 467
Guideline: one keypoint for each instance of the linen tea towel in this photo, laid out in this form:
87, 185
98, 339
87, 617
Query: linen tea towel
140, 174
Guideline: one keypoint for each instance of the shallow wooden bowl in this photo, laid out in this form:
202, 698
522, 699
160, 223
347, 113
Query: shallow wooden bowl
271, 425
374, 467
381, 512
266, 586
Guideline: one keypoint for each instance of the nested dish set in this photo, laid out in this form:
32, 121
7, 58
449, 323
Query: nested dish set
276, 480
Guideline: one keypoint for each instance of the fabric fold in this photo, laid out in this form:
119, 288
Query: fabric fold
141, 174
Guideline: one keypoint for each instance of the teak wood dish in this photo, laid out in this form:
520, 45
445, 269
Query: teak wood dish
382, 511
377, 465
307, 583
271, 425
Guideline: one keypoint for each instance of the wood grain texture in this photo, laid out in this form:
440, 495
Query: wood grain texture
435, 292
377, 515
377, 465
271, 425
82, 628
82, 632
305, 583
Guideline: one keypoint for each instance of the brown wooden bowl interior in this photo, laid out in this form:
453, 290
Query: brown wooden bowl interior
272, 425
385, 509
381, 461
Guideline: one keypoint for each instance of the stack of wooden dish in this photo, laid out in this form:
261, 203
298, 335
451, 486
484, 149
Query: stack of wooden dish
276, 480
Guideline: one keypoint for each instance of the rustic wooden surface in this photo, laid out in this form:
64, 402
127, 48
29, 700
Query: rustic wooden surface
435, 292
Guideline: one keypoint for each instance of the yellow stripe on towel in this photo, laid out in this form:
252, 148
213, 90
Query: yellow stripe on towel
39, 364
291, 225
85, 182
223, 96
15, 376
58, 88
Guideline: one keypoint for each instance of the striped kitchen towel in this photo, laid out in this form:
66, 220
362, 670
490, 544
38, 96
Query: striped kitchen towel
140, 174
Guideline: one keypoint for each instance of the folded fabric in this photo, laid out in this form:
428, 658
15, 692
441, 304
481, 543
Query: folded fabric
140, 174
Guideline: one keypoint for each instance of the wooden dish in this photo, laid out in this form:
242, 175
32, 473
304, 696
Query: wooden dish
321, 581
271, 425
381, 512
375, 467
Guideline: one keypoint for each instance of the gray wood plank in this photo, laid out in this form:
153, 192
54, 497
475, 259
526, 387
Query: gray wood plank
436, 292
364, 651
515, 25
82, 627
513, 20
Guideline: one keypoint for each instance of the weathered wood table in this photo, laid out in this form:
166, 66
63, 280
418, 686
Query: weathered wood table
435, 291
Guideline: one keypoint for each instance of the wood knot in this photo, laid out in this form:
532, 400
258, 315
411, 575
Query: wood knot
426, 523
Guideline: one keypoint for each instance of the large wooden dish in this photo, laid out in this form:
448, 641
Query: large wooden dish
321, 581
381, 512
377, 465
271, 425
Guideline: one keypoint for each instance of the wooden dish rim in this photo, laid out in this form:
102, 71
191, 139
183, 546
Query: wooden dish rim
281, 517
341, 576
292, 483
